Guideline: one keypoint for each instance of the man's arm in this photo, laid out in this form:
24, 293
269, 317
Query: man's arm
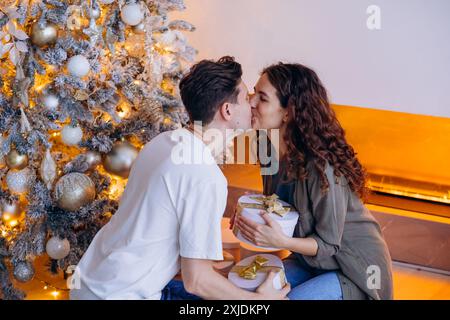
200, 279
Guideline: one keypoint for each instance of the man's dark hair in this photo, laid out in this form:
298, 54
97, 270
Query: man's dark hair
208, 85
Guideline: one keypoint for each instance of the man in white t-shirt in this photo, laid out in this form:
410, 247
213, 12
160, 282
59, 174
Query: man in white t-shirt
169, 215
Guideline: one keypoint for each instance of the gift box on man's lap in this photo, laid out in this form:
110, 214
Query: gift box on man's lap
250, 206
252, 271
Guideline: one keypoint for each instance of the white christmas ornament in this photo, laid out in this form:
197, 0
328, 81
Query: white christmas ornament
57, 248
50, 101
18, 181
78, 66
71, 135
48, 169
132, 14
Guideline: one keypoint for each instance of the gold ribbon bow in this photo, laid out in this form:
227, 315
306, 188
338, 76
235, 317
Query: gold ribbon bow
258, 265
271, 204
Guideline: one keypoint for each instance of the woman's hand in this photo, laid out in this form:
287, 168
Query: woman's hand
268, 235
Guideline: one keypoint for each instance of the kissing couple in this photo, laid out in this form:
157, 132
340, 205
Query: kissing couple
169, 216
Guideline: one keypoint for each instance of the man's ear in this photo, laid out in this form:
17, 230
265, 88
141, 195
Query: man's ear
225, 111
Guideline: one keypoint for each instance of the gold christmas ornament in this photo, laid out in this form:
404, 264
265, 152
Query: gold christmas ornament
73, 191
15, 160
45, 35
93, 158
11, 210
120, 159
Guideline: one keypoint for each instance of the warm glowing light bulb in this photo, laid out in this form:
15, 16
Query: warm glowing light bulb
6, 217
55, 294
45, 287
13, 223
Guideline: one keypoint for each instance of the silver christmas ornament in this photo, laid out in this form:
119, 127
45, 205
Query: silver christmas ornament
120, 159
57, 248
18, 181
73, 191
23, 271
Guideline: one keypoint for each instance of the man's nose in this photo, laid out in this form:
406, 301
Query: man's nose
252, 100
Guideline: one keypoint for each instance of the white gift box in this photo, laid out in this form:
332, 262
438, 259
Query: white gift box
273, 262
287, 222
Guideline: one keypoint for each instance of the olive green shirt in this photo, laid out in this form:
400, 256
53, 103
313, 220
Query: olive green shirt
349, 239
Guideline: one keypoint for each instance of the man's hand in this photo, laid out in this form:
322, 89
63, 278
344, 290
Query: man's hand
200, 279
268, 292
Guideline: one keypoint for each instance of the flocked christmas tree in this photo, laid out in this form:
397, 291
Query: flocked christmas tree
83, 85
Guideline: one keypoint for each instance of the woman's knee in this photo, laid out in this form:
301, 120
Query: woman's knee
323, 287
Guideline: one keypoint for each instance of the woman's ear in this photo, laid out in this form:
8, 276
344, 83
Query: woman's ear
286, 115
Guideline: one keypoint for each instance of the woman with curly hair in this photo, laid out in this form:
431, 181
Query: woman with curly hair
338, 251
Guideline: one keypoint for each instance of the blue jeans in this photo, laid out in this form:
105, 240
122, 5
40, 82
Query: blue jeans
175, 290
311, 284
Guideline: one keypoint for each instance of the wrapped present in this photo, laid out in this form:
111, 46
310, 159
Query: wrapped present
250, 206
251, 272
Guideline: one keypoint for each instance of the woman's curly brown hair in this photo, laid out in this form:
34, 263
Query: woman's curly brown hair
313, 131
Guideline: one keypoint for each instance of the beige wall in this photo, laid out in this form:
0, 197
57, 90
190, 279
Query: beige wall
405, 66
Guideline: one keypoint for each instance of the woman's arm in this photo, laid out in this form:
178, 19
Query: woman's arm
305, 246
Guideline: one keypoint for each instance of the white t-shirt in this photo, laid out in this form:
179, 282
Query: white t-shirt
168, 209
